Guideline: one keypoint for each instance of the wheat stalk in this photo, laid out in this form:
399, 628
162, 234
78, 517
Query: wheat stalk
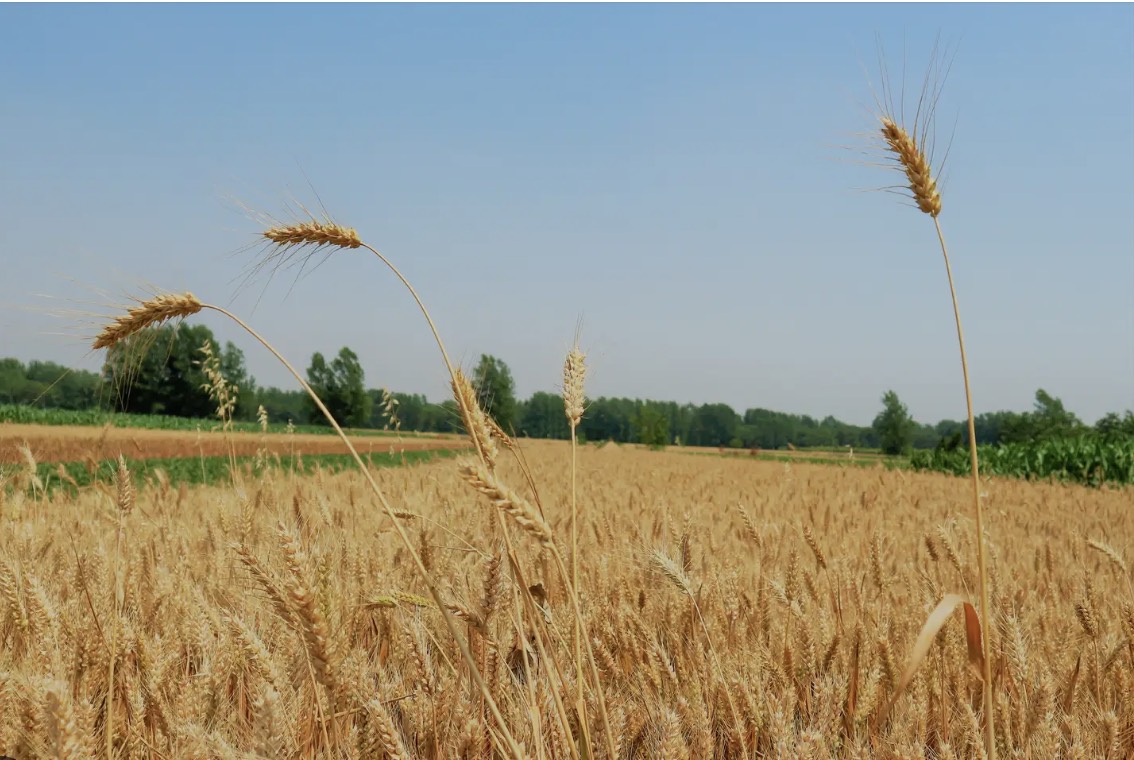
914, 164
574, 378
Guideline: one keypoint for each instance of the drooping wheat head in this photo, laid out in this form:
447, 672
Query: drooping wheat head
148, 313
313, 233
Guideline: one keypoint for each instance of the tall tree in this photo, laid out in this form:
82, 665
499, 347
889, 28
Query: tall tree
542, 416
495, 390
341, 384
894, 426
158, 371
651, 427
713, 425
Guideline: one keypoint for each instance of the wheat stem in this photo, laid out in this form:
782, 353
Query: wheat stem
982, 561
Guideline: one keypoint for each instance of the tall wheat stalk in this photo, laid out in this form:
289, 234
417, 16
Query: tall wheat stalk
913, 162
316, 234
574, 379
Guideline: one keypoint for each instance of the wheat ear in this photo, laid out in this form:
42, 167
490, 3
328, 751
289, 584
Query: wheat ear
914, 163
152, 311
313, 233
507, 501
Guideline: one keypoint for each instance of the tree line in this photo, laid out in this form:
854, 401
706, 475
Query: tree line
160, 371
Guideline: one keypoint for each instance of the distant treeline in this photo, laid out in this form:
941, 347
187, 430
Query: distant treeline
160, 373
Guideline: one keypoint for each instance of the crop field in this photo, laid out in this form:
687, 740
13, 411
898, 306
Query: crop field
175, 587
735, 608
80, 443
13, 414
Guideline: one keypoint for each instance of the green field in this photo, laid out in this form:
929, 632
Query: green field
1089, 460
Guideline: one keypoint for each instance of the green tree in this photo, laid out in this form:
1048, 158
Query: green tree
713, 425
894, 426
341, 386
158, 371
542, 416
495, 390
61, 388
283, 406
651, 426
1113, 427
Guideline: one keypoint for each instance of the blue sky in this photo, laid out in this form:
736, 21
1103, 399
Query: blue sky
675, 178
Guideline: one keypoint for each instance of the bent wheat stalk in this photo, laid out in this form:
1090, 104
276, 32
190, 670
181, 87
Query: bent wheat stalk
913, 162
162, 307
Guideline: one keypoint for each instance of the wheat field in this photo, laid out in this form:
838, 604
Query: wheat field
735, 609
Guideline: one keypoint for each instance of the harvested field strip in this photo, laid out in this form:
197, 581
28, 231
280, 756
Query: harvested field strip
78, 443
794, 458
30, 415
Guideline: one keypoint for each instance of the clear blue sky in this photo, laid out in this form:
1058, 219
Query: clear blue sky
674, 176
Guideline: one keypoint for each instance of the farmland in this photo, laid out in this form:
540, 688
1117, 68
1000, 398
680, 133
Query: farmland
687, 557
808, 586
66, 444
14, 414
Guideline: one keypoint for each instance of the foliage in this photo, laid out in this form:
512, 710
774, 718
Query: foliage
542, 416
1112, 427
496, 391
341, 386
159, 371
1090, 459
894, 425
49, 384
651, 427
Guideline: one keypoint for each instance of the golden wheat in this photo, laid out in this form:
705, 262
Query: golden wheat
148, 313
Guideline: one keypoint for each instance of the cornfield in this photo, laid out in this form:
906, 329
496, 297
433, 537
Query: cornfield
1085, 459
